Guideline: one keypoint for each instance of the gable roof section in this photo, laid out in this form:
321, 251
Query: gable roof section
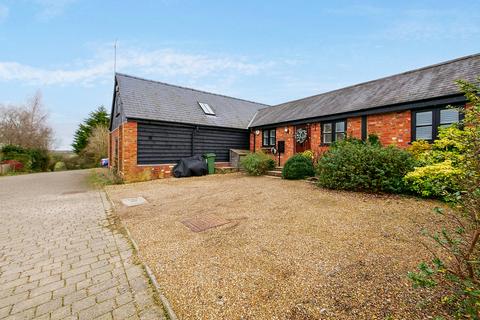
152, 100
420, 84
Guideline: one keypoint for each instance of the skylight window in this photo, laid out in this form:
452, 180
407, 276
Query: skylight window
206, 108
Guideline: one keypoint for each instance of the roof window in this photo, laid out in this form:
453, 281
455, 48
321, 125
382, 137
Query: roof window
206, 108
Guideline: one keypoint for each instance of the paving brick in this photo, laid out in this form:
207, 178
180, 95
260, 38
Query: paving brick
10, 300
111, 293
48, 307
47, 288
13, 283
124, 311
97, 310
74, 297
76, 271
61, 313
5, 311
26, 287
31, 303
49, 279
60, 259
83, 304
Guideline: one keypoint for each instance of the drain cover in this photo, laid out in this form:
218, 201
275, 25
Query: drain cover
202, 223
131, 202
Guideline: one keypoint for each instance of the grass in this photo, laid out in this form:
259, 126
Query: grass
101, 177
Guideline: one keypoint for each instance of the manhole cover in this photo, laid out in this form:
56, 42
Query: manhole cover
131, 202
202, 223
74, 192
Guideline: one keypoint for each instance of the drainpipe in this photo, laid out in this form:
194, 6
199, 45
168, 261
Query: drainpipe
254, 141
195, 129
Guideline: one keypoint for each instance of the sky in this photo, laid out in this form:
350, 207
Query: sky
265, 51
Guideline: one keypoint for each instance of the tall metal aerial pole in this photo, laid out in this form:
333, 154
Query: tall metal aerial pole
115, 57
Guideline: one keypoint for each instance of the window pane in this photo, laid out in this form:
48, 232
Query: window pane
272, 140
448, 116
424, 133
265, 137
424, 118
339, 136
272, 133
340, 126
327, 138
327, 127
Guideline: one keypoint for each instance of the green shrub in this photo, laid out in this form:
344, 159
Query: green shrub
40, 159
437, 173
60, 166
436, 180
257, 163
32, 159
354, 165
455, 268
298, 167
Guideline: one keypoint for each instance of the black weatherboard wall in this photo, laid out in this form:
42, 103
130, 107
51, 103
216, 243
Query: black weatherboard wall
161, 143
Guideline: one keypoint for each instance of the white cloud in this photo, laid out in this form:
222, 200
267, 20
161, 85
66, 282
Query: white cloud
164, 62
4, 11
433, 25
52, 8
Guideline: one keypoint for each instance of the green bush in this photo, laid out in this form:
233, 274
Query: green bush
40, 159
32, 159
436, 180
354, 165
437, 173
60, 166
298, 167
257, 164
455, 268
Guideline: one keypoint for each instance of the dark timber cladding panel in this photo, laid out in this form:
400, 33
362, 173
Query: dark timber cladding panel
167, 143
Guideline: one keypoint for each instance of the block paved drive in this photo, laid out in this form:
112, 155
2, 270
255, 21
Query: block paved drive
60, 256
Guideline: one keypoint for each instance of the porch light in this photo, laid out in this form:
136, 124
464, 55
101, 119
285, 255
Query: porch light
286, 129
257, 132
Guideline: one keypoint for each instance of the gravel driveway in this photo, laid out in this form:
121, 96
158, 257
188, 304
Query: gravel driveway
281, 249
59, 256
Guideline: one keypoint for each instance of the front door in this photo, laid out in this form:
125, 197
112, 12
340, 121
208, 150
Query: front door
302, 138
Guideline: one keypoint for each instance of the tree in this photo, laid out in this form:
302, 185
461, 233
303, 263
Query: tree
96, 118
97, 146
26, 125
457, 269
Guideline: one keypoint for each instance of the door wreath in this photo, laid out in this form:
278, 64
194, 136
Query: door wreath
301, 135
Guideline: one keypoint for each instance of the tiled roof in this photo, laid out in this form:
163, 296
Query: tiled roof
420, 84
152, 100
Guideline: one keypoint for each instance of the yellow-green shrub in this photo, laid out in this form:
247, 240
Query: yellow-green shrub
435, 180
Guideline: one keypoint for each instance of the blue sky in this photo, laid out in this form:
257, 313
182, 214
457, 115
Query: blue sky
266, 51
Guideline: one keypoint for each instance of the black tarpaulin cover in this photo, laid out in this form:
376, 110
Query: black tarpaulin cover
192, 166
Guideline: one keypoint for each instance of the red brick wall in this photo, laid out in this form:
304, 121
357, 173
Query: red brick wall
354, 127
391, 128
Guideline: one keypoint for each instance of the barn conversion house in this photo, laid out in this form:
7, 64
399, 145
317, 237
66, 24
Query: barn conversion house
399, 109
154, 124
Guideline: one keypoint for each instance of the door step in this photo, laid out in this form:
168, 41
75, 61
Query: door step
275, 173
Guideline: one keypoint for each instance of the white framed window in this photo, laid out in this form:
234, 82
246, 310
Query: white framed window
206, 108
333, 131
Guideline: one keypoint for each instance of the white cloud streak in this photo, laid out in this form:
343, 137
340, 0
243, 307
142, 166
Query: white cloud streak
165, 62
52, 8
